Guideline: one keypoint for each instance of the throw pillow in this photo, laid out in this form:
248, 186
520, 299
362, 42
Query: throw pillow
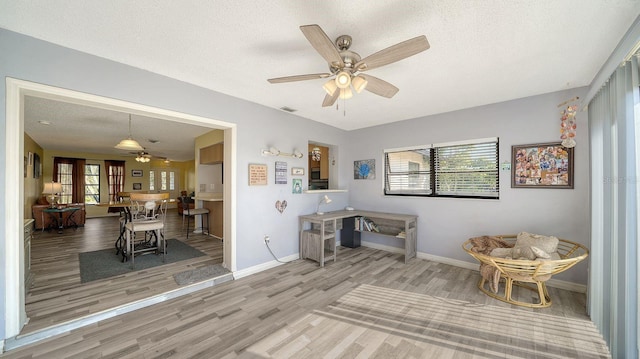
528, 253
548, 244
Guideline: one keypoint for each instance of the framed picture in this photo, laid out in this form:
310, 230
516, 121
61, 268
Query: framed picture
281, 172
25, 166
541, 165
364, 169
137, 186
136, 173
296, 188
297, 171
37, 166
257, 174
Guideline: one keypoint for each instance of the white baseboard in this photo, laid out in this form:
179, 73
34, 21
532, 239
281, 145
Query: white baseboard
556, 283
264, 266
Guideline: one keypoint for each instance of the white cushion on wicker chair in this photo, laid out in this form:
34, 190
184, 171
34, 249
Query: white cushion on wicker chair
548, 244
523, 252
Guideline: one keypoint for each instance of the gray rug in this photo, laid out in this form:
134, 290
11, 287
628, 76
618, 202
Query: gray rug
105, 263
200, 274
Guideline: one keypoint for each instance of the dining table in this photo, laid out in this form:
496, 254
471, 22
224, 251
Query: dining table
123, 206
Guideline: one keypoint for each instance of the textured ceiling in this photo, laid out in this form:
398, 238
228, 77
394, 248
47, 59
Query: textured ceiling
482, 51
78, 128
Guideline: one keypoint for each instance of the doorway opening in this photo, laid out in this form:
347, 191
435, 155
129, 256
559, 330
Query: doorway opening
15, 313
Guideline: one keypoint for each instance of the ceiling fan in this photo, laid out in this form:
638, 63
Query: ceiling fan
144, 156
346, 67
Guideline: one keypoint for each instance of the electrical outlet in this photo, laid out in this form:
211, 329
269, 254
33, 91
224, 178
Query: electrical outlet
266, 239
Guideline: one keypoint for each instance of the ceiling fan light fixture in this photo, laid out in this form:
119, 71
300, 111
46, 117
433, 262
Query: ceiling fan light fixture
343, 79
346, 94
330, 87
359, 83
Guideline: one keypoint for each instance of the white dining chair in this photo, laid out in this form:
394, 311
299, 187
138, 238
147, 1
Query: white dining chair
146, 213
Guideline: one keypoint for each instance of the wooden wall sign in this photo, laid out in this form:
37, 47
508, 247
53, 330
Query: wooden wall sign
257, 174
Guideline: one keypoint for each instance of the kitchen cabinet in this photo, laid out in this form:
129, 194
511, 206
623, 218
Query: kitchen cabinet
212, 154
216, 216
324, 163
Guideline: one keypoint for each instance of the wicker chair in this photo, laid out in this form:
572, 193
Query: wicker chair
528, 274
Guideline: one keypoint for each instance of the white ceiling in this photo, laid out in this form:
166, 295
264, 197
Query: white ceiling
79, 128
482, 51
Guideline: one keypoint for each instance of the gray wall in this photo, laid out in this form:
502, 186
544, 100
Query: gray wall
444, 223
258, 127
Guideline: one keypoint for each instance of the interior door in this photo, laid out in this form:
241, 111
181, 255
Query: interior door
165, 180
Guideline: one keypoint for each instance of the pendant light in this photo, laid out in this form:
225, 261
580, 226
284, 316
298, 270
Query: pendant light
129, 143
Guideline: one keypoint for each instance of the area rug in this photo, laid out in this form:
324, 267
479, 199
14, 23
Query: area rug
200, 274
105, 263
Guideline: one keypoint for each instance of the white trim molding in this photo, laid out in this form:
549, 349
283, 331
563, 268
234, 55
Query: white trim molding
264, 266
14, 309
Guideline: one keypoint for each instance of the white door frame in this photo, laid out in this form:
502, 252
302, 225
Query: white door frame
14, 309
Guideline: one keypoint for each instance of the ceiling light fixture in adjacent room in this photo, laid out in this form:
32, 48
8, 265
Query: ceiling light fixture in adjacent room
129, 143
315, 154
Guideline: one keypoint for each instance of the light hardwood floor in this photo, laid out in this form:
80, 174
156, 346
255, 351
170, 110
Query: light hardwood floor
57, 295
367, 304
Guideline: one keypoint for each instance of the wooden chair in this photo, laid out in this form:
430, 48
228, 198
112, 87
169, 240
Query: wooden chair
146, 213
528, 274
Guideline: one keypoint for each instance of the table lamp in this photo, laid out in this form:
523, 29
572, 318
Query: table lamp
323, 200
52, 189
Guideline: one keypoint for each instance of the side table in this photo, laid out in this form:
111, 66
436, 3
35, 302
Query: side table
56, 214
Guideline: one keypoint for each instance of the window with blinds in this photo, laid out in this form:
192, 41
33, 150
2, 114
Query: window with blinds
408, 172
460, 169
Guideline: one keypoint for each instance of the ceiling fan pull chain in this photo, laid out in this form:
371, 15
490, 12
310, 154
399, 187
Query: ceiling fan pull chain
344, 107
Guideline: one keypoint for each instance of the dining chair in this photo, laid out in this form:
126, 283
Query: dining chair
146, 213
188, 213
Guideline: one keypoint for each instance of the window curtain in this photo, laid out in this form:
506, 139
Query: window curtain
115, 178
77, 176
614, 155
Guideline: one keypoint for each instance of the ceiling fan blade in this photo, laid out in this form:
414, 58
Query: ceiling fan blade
329, 100
393, 53
278, 80
321, 42
379, 87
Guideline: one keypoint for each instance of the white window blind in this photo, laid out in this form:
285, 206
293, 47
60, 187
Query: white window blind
408, 172
467, 170
456, 169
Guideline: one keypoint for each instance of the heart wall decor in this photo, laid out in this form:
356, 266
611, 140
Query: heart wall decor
281, 205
